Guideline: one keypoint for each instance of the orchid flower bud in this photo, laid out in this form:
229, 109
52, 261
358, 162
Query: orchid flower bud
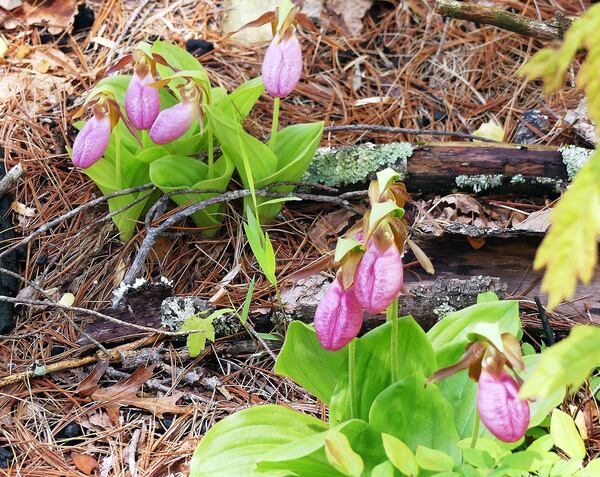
282, 65
173, 122
142, 102
378, 278
503, 413
92, 140
338, 317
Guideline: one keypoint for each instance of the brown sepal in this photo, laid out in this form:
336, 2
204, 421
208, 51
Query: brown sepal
400, 230
348, 268
512, 351
118, 66
470, 359
305, 22
267, 17
421, 257
374, 193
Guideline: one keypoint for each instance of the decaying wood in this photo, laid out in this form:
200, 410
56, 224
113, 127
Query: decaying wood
434, 167
502, 265
501, 18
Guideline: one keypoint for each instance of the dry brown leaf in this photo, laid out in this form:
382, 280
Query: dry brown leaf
159, 405
22, 209
538, 221
328, 226
348, 14
90, 383
464, 203
57, 15
85, 463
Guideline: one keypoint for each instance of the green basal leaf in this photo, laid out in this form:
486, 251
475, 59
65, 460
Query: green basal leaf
380, 211
492, 446
385, 469
151, 154
304, 360
172, 172
591, 470
432, 459
400, 455
414, 355
567, 363
566, 436
566, 468
241, 101
306, 457
341, 456
455, 327
542, 444
523, 460
344, 246
234, 446
416, 414
478, 458
459, 390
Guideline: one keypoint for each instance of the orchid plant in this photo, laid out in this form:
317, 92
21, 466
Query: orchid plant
401, 401
165, 122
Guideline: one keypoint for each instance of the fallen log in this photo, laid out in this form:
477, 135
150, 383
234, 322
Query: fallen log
446, 166
503, 19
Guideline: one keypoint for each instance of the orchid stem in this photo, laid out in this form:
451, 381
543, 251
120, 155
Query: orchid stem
392, 316
118, 155
211, 154
475, 430
352, 377
275, 125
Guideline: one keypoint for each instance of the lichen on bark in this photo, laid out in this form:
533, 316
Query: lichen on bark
336, 167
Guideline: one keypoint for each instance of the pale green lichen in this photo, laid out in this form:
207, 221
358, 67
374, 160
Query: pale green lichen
335, 167
479, 183
442, 310
574, 158
517, 179
558, 184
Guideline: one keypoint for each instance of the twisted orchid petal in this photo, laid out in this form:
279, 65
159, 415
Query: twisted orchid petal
173, 122
378, 278
142, 102
338, 317
503, 413
92, 141
282, 66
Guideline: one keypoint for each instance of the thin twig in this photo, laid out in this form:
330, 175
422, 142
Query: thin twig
152, 233
10, 179
394, 130
500, 18
73, 212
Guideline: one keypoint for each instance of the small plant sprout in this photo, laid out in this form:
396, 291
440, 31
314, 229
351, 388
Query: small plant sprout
501, 410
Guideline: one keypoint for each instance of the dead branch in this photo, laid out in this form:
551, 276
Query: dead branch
502, 19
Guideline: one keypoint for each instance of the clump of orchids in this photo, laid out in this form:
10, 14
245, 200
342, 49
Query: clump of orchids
370, 275
494, 368
164, 123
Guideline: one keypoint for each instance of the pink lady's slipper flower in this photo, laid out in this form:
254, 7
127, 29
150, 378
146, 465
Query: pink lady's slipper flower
503, 413
282, 65
142, 102
378, 278
338, 317
173, 122
92, 140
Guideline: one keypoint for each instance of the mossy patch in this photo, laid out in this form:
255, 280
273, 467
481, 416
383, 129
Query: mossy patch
336, 167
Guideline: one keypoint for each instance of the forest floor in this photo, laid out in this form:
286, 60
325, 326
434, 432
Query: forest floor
408, 67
